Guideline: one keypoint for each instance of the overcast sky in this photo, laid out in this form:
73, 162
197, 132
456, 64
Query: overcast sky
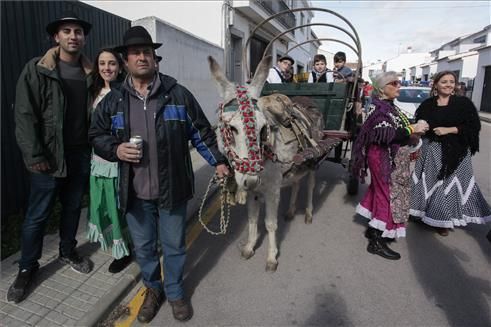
385, 28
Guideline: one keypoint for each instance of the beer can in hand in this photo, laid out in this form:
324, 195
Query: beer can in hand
137, 139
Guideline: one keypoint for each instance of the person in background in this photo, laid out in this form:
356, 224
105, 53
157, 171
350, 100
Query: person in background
281, 73
156, 180
320, 73
381, 147
461, 89
158, 59
444, 190
367, 95
341, 72
105, 224
51, 117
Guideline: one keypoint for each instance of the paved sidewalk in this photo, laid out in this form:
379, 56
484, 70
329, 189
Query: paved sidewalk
485, 116
63, 297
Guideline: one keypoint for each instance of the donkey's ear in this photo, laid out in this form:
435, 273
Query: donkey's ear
225, 87
260, 77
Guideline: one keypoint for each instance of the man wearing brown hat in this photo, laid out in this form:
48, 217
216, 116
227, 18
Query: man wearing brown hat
156, 179
51, 116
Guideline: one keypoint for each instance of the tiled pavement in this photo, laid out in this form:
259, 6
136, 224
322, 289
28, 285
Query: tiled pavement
63, 297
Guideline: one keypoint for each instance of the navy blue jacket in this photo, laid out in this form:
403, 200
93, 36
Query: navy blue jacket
179, 121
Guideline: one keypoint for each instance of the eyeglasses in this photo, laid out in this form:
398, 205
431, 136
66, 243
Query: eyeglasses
394, 83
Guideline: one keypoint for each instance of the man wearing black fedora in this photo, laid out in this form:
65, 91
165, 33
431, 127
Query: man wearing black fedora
280, 73
156, 179
51, 116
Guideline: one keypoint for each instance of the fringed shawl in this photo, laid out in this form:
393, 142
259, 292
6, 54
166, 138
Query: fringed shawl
461, 113
379, 128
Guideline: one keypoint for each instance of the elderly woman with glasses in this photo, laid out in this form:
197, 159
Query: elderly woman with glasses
445, 193
383, 147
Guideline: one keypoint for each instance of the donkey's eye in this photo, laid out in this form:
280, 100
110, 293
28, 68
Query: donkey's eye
234, 130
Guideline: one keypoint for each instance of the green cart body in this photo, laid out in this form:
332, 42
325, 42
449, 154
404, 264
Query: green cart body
330, 98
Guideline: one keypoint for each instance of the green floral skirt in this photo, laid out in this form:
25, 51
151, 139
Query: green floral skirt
105, 224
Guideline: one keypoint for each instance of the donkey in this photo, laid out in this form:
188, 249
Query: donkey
261, 151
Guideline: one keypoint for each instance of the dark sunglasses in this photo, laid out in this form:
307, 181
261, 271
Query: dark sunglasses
394, 83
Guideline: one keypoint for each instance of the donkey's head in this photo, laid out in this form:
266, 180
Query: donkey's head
241, 124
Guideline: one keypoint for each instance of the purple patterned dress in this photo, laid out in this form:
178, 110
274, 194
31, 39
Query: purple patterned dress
380, 149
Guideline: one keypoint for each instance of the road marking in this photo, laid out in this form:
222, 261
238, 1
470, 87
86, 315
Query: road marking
191, 236
133, 307
207, 216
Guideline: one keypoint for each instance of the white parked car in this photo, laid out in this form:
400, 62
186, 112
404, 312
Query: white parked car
410, 98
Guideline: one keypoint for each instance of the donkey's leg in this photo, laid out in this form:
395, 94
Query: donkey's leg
293, 201
253, 206
310, 196
272, 203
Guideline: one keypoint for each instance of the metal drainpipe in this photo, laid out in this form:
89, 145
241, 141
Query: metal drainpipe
226, 7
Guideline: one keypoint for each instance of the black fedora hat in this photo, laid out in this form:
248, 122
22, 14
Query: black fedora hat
67, 17
285, 57
136, 35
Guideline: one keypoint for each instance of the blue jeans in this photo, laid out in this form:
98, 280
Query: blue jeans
147, 224
44, 189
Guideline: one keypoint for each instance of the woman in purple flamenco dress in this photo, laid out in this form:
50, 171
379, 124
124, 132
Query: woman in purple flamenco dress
384, 147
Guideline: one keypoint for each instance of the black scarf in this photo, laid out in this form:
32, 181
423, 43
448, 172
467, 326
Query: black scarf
461, 113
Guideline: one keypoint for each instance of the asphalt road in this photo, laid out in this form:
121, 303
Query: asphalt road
325, 276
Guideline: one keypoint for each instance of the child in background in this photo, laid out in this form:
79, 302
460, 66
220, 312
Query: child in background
320, 73
340, 70
281, 72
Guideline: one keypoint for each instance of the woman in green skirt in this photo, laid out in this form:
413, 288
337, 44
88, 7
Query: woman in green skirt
106, 225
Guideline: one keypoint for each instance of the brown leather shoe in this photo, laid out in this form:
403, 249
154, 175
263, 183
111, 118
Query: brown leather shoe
151, 304
181, 309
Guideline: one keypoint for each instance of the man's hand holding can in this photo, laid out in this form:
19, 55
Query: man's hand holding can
131, 151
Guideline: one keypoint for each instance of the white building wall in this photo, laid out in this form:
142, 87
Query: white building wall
406, 60
243, 26
445, 53
433, 69
185, 58
443, 65
372, 70
469, 66
419, 72
302, 54
467, 47
484, 59
329, 58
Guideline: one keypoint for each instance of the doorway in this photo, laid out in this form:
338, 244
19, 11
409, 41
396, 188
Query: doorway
235, 61
257, 48
486, 91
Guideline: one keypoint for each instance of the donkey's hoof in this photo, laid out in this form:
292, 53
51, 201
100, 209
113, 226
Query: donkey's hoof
289, 216
247, 254
308, 219
271, 266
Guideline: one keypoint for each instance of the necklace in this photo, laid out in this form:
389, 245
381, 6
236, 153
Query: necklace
402, 115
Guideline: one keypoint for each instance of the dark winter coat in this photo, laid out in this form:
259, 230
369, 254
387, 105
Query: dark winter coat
40, 108
179, 120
